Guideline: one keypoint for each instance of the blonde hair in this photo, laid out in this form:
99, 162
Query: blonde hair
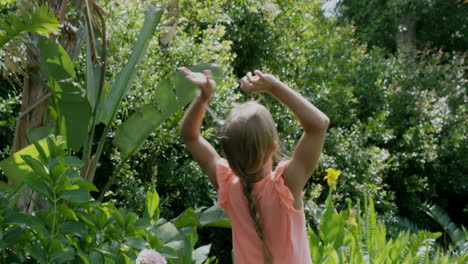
248, 139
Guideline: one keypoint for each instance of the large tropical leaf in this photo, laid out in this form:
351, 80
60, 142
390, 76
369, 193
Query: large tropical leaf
73, 108
54, 60
186, 91
130, 136
16, 168
75, 113
135, 130
35, 19
125, 78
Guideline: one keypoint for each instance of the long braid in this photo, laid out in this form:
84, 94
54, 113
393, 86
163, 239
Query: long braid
252, 203
248, 139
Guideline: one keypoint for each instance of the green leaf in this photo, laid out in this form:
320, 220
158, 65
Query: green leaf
331, 225
152, 202
131, 135
215, 217
83, 183
37, 19
73, 229
65, 255
92, 73
74, 111
166, 98
16, 168
38, 133
13, 235
201, 254
39, 186
96, 257
185, 90
36, 252
37, 167
67, 212
27, 221
136, 243
55, 60
167, 252
167, 232
124, 79
188, 218
77, 196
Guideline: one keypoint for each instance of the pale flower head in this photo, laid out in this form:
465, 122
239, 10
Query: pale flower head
150, 256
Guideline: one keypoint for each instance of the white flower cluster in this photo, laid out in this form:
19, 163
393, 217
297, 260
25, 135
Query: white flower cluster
149, 256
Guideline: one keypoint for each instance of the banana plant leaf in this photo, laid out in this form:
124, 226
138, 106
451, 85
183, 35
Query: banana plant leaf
75, 113
55, 60
15, 167
131, 135
125, 78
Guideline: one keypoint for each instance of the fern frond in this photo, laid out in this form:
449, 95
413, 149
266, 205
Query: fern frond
35, 19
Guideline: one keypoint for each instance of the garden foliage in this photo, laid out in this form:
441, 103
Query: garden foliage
397, 132
75, 228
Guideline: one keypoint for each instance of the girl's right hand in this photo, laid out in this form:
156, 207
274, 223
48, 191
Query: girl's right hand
261, 82
201, 79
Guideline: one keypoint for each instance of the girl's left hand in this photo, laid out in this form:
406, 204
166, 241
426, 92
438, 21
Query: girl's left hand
201, 79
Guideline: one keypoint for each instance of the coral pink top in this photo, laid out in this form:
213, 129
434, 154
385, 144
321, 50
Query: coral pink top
284, 226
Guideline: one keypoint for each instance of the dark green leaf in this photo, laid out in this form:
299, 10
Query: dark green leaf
27, 221
73, 228
188, 218
38, 133
215, 217
38, 185
36, 252
131, 135
77, 196
167, 252
185, 90
136, 242
75, 112
13, 235
63, 256
55, 59
38, 167
166, 99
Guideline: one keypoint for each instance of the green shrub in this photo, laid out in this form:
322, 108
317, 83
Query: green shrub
72, 227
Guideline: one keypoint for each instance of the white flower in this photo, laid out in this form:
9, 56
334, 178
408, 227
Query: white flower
149, 256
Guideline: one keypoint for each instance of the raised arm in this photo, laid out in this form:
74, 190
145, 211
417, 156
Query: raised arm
313, 121
203, 153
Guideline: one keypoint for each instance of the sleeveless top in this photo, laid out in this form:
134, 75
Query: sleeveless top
284, 226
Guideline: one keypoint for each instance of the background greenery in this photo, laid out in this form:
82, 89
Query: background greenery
398, 118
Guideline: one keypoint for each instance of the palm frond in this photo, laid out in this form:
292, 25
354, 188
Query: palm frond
396, 224
37, 19
457, 236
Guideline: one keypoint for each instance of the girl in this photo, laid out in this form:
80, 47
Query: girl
265, 207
